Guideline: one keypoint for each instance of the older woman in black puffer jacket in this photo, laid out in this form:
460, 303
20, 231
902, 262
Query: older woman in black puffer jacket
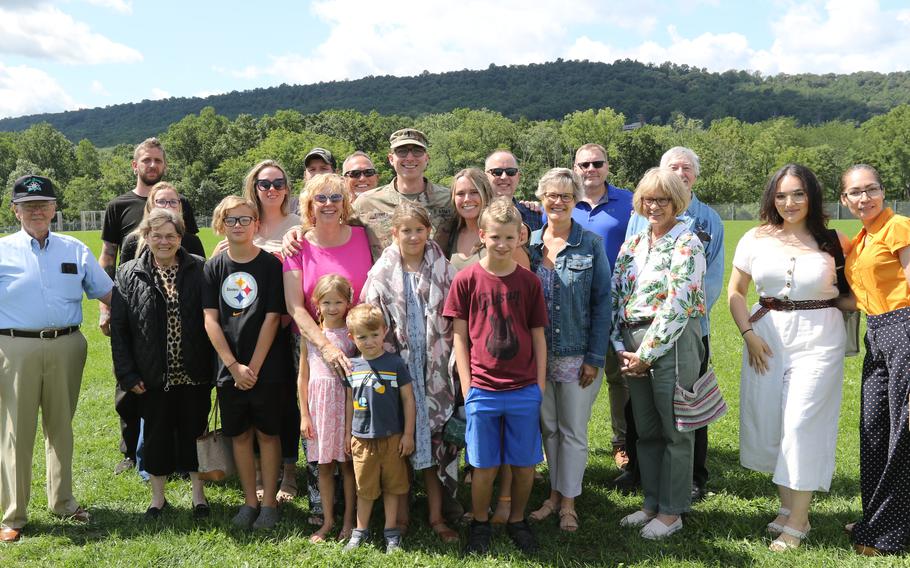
162, 353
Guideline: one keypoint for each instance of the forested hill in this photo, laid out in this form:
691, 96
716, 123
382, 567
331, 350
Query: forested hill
537, 92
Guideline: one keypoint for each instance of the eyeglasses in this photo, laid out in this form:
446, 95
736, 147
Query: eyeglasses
416, 151
659, 201
872, 192
323, 198
172, 203
497, 172
244, 221
36, 205
172, 238
597, 164
357, 174
798, 196
556, 197
277, 183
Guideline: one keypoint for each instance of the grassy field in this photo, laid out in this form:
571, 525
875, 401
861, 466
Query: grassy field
727, 529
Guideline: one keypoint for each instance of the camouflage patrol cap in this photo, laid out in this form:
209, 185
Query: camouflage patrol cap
407, 136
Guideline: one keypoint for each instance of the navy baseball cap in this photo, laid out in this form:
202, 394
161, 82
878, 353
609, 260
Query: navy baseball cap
33, 188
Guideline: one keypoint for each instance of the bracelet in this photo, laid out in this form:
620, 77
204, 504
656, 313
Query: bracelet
231, 365
745, 331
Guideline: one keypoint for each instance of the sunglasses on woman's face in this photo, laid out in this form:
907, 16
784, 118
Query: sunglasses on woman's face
265, 185
323, 198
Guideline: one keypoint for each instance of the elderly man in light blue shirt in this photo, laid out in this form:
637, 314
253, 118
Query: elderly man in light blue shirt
706, 223
43, 276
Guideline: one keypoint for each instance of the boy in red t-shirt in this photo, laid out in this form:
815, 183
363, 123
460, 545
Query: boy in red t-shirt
501, 353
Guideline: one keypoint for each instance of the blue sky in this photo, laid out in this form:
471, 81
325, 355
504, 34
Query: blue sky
70, 54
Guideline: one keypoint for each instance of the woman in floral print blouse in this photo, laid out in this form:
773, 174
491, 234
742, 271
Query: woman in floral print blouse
657, 302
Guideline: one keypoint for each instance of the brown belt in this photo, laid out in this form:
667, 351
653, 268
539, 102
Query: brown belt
635, 324
768, 304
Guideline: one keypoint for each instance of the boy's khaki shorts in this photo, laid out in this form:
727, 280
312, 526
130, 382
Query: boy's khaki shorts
378, 467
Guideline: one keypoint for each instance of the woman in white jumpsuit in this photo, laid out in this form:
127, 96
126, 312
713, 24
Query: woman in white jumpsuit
793, 360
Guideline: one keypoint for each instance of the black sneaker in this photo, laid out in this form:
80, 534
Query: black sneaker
392, 540
521, 535
479, 536
358, 538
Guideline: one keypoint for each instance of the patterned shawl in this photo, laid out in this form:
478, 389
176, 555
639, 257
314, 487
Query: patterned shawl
385, 288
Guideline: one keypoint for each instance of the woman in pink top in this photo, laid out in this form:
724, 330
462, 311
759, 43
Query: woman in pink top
329, 246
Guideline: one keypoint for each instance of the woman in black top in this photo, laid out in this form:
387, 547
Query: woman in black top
162, 195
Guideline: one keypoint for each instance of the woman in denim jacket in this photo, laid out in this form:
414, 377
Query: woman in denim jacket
575, 275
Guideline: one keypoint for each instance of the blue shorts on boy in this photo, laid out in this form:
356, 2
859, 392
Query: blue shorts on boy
503, 427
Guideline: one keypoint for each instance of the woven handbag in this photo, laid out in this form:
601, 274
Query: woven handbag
699, 407
215, 451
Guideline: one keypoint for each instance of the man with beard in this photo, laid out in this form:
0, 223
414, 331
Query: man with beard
121, 217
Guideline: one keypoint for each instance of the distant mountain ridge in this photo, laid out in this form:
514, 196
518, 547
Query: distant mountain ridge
653, 93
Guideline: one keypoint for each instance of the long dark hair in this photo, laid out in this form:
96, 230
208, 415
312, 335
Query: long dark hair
816, 219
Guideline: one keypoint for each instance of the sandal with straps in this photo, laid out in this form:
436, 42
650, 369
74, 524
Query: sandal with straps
445, 534
547, 508
774, 527
568, 520
781, 545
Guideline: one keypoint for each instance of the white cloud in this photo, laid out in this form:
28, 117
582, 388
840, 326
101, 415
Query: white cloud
122, 6
44, 32
839, 36
158, 94
373, 38
26, 90
97, 87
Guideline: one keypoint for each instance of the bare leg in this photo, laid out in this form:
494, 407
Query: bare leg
246, 466
327, 490
157, 484
350, 498
482, 492
364, 510
504, 503
799, 514
403, 513
390, 504
198, 489
522, 480
270, 462
434, 495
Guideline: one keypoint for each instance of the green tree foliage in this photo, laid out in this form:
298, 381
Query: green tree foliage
885, 145
49, 150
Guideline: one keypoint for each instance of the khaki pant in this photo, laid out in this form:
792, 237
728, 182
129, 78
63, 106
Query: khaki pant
45, 374
618, 390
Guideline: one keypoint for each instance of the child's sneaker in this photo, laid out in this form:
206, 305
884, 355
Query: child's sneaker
392, 540
267, 519
521, 535
358, 537
479, 536
245, 517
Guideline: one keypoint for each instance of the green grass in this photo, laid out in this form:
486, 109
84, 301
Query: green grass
727, 529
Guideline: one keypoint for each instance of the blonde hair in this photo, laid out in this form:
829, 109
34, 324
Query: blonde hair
251, 193
153, 220
560, 178
365, 317
331, 283
500, 211
228, 203
161, 186
334, 183
666, 182
481, 183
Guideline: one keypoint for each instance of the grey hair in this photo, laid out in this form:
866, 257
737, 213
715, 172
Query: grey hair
681, 152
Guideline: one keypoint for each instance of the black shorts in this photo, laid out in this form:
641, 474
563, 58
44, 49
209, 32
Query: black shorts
259, 407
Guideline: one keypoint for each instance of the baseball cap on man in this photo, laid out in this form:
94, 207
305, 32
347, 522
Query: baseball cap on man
33, 188
322, 154
407, 136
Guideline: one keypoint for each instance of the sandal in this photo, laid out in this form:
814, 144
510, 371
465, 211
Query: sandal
503, 510
547, 508
444, 533
848, 528
345, 534
568, 520
781, 545
774, 527
317, 537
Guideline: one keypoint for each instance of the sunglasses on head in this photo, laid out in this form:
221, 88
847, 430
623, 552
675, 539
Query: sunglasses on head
244, 221
597, 164
265, 185
323, 198
357, 174
497, 172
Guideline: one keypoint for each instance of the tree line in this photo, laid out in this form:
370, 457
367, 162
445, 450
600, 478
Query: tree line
208, 153
538, 92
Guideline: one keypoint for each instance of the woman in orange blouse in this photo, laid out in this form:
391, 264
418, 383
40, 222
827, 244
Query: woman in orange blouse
878, 269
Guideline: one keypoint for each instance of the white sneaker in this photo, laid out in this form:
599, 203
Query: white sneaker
656, 530
636, 519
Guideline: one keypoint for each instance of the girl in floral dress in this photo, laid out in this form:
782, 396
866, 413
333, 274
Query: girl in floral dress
322, 403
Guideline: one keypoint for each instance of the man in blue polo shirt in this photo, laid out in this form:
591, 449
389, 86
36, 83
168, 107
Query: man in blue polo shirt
605, 210
707, 225
42, 353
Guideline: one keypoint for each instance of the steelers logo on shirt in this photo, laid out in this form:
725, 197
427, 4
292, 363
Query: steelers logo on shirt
239, 290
